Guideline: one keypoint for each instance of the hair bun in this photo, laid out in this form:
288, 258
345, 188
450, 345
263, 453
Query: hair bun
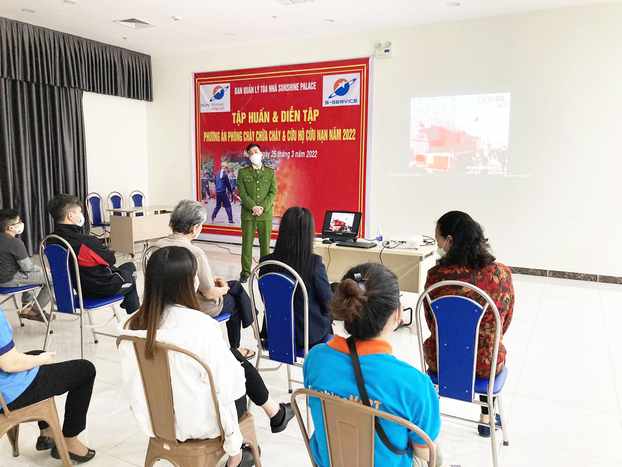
349, 301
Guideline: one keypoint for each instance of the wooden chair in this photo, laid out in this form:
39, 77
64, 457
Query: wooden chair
350, 429
44, 410
156, 376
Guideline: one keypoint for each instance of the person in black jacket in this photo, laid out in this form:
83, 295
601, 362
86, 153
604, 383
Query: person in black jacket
294, 247
98, 274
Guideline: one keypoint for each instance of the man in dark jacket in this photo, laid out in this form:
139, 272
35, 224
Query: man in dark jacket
98, 275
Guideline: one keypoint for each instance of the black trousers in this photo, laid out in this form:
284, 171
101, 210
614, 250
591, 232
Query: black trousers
485, 399
131, 302
75, 377
256, 389
222, 200
237, 303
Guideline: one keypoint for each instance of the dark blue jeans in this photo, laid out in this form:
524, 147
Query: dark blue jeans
222, 200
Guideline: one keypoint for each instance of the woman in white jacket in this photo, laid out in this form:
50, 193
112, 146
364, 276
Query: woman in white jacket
169, 314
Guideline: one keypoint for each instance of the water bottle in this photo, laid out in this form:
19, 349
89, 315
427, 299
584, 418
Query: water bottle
379, 235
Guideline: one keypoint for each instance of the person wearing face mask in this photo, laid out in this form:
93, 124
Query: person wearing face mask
465, 256
99, 276
170, 314
16, 269
257, 189
215, 295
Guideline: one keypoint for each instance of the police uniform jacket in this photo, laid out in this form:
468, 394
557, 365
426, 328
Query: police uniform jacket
257, 187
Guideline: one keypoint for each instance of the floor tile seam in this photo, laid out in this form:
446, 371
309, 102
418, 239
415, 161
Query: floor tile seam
124, 460
614, 373
562, 449
570, 371
516, 393
520, 371
107, 451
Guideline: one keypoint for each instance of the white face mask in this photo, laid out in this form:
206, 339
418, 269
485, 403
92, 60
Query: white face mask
19, 228
81, 221
256, 158
196, 284
440, 251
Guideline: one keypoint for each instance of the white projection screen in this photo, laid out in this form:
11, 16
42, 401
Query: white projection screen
460, 135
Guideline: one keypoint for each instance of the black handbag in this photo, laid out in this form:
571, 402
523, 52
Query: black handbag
365, 398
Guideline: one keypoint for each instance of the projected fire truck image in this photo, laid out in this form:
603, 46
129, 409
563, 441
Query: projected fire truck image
460, 134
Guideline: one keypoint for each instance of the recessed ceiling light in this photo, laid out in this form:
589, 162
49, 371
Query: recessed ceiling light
28, 10
329, 20
134, 23
453, 4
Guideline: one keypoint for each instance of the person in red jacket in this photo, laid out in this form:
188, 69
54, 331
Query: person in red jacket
99, 277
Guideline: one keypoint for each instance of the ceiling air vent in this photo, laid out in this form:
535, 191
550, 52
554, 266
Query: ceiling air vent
134, 23
293, 2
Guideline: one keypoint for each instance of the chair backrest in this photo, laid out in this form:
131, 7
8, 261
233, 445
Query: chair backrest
94, 208
146, 255
115, 201
137, 198
278, 291
61, 259
457, 320
5, 410
349, 429
156, 376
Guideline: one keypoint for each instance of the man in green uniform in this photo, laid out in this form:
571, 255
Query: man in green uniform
257, 190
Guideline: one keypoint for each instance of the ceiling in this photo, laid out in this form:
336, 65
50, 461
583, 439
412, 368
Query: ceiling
208, 24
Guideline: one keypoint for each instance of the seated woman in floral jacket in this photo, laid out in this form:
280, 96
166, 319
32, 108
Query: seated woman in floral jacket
465, 256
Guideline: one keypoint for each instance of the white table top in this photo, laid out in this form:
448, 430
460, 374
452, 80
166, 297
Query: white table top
422, 251
144, 209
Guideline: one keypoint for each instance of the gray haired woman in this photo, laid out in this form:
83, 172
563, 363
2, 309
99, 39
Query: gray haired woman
215, 295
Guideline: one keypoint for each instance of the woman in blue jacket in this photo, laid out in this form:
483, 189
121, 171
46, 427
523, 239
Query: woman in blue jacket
294, 247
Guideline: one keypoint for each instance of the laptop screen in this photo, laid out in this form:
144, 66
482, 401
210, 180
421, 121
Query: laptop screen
341, 224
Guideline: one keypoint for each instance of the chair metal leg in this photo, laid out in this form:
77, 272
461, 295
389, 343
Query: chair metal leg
48, 331
40, 310
492, 422
19, 310
289, 380
13, 435
90, 317
506, 442
82, 334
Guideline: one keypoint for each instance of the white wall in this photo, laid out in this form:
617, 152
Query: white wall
564, 71
116, 145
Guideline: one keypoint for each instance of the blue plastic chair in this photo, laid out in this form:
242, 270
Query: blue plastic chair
13, 292
95, 208
115, 201
63, 264
278, 291
137, 198
457, 321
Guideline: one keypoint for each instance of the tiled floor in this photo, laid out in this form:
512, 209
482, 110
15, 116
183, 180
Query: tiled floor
563, 398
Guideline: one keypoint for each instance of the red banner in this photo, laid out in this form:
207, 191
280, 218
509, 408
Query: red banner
311, 121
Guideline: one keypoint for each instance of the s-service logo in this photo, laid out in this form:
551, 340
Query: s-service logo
215, 98
341, 90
